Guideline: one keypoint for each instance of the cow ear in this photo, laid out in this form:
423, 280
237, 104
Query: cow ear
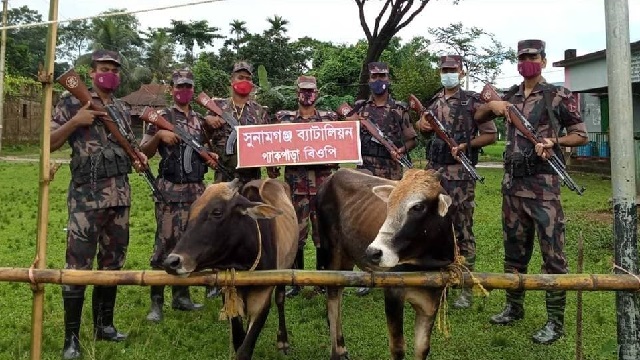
258, 210
383, 191
444, 201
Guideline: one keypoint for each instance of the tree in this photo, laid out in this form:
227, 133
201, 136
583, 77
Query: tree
239, 29
481, 63
399, 13
73, 40
158, 55
117, 33
192, 33
25, 47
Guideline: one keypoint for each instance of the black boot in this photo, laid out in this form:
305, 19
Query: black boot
182, 299
513, 310
298, 264
554, 328
464, 300
157, 301
104, 300
73, 301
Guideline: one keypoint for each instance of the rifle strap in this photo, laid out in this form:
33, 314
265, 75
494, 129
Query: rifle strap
464, 103
546, 94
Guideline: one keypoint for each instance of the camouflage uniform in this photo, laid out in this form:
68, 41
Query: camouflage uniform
393, 121
98, 203
456, 114
251, 113
530, 188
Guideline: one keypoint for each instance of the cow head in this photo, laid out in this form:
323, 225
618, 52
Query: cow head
417, 229
221, 231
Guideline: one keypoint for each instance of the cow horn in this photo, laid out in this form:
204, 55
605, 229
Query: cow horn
234, 185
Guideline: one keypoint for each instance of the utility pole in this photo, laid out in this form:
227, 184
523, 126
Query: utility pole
623, 179
3, 50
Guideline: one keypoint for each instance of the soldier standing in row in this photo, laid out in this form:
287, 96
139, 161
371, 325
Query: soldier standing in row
98, 201
246, 112
530, 187
304, 180
180, 181
392, 118
455, 108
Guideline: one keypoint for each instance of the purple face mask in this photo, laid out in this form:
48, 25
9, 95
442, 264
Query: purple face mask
183, 96
529, 69
107, 81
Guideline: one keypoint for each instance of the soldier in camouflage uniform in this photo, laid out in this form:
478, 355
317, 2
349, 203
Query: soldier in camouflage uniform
98, 201
392, 118
304, 180
455, 108
530, 188
180, 181
247, 112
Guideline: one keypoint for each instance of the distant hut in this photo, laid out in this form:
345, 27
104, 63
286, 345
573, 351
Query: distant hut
154, 95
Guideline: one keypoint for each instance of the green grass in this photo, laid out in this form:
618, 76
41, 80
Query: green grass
199, 335
492, 152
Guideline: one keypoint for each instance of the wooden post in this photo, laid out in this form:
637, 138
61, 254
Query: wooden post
46, 78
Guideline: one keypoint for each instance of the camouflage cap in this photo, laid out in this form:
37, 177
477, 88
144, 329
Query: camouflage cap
242, 65
531, 46
451, 61
307, 82
378, 68
106, 55
182, 76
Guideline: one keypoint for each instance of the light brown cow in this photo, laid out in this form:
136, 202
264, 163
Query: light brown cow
379, 224
233, 228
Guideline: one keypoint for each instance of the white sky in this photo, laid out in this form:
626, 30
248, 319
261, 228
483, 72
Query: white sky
563, 24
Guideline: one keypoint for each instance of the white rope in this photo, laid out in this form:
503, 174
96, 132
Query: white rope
22, 26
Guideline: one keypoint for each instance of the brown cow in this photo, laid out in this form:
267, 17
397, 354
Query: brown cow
225, 228
378, 225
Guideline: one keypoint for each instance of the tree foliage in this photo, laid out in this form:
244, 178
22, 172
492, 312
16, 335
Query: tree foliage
25, 47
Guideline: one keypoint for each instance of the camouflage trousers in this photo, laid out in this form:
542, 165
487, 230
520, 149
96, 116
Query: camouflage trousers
105, 230
521, 219
382, 167
463, 193
305, 206
171, 220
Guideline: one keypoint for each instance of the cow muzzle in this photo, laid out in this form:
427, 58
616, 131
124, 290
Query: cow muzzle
380, 254
174, 264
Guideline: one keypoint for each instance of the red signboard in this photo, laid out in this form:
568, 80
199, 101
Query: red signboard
298, 144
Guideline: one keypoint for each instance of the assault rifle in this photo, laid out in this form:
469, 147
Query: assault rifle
442, 133
207, 102
151, 116
375, 131
524, 126
72, 83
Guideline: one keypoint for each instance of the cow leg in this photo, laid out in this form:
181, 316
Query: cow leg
425, 302
258, 304
334, 305
283, 337
237, 332
394, 311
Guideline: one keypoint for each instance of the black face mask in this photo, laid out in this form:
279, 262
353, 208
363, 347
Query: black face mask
378, 87
307, 98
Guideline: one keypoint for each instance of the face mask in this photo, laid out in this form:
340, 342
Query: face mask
242, 87
449, 80
307, 98
183, 96
529, 69
378, 87
107, 82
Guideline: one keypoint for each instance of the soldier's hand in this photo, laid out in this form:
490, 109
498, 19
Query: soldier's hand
273, 172
499, 107
214, 121
85, 116
168, 137
541, 148
423, 124
456, 149
398, 153
213, 162
142, 164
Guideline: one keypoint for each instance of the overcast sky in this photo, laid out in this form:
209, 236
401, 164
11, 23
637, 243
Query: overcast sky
563, 24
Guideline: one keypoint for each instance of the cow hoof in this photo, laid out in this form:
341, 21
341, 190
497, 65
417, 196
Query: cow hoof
344, 356
283, 348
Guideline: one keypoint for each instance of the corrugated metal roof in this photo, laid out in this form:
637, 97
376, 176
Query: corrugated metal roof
148, 95
591, 56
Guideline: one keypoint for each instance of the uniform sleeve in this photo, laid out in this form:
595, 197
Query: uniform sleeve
264, 115
486, 126
408, 132
60, 114
566, 108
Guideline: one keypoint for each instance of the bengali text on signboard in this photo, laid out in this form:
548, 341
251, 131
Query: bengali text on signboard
298, 144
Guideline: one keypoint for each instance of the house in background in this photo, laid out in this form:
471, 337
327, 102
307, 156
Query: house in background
587, 76
154, 95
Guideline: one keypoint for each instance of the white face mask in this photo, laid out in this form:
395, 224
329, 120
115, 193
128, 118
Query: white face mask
449, 80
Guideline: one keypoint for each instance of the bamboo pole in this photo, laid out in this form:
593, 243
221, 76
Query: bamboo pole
46, 78
584, 282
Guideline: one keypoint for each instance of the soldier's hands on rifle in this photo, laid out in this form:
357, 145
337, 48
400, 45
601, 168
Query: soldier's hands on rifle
214, 121
456, 149
85, 117
423, 124
213, 162
398, 153
142, 164
541, 148
168, 137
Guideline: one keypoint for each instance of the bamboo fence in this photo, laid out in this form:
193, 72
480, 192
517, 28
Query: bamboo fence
572, 282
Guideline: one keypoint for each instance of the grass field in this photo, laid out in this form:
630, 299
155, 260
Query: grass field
199, 335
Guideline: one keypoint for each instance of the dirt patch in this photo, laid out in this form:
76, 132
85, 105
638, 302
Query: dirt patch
602, 216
